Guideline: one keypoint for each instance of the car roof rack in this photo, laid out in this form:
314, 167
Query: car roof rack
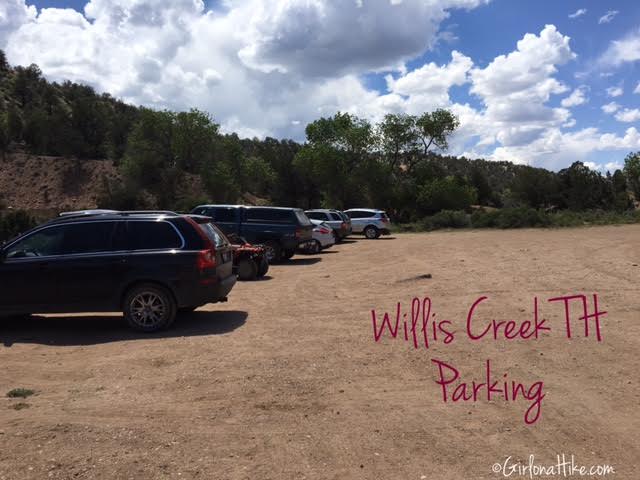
97, 213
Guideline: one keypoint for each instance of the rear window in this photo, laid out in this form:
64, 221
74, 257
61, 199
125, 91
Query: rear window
213, 234
269, 215
335, 216
302, 218
152, 235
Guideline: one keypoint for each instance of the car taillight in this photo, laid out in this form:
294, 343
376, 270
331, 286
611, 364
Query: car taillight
299, 232
343, 225
206, 259
324, 231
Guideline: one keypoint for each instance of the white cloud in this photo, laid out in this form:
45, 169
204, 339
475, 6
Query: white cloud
610, 107
628, 115
608, 17
615, 91
14, 14
576, 98
624, 50
578, 13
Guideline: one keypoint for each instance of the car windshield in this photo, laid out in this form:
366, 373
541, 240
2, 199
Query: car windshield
213, 234
302, 218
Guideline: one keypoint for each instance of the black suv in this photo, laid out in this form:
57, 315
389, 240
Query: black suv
281, 230
150, 265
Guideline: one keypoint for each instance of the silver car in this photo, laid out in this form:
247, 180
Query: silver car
338, 221
369, 221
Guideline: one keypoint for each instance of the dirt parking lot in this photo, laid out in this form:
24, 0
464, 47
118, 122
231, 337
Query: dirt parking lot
285, 381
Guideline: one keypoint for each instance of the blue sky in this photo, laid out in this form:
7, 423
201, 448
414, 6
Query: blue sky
564, 93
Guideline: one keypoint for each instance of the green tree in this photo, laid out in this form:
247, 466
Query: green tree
149, 148
398, 135
193, 135
435, 128
632, 172
447, 193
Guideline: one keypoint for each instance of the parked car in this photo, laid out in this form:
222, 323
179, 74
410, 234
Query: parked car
150, 265
339, 222
371, 222
323, 237
280, 230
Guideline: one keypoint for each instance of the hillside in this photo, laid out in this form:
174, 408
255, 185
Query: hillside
38, 182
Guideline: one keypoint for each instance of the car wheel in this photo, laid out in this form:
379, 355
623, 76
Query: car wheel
149, 308
371, 232
287, 254
247, 269
272, 252
263, 268
315, 247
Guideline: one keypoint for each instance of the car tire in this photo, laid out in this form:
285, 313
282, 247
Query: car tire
314, 247
273, 252
287, 254
247, 269
371, 232
149, 308
263, 268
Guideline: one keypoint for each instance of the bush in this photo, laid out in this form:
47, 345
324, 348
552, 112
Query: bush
447, 219
521, 217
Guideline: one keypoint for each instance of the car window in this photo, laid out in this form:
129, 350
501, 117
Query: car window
201, 211
315, 215
335, 217
90, 237
269, 215
152, 235
224, 214
213, 234
302, 218
39, 244
358, 214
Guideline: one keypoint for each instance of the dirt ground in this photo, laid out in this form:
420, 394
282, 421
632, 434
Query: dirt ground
285, 381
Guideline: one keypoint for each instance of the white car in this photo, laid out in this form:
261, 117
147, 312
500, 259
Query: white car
369, 221
322, 237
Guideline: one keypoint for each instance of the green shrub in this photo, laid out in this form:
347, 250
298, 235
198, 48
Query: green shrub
448, 219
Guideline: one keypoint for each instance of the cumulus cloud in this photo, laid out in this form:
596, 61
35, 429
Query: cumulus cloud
576, 98
348, 36
628, 115
578, 13
608, 17
14, 14
624, 50
615, 91
610, 107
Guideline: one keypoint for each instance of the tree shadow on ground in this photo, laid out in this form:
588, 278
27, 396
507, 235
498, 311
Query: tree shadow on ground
106, 328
